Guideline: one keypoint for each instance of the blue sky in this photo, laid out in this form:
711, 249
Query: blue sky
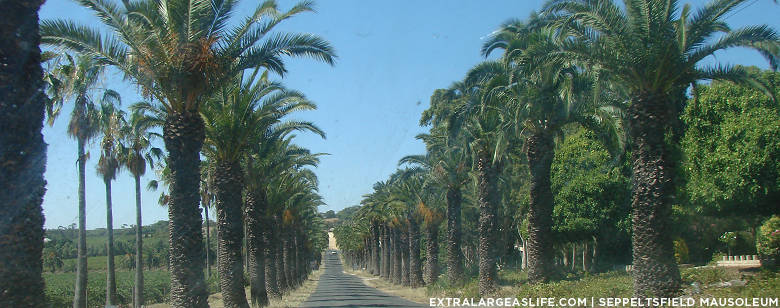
392, 56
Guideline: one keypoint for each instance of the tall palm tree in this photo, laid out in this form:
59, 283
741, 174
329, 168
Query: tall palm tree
449, 165
410, 191
282, 189
432, 214
134, 153
653, 48
22, 157
207, 201
247, 113
486, 138
301, 207
79, 77
373, 208
110, 121
180, 53
546, 99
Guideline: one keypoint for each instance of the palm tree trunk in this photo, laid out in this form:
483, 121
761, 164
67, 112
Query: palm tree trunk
653, 189
488, 222
281, 279
111, 273
300, 265
454, 237
385, 262
540, 151
208, 241
138, 294
80, 295
272, 240
288, 257
375, 266
254, 216
228, 178
184, 135
415, 265
405, 257
22, 157
397, 272
432, 250
296, 258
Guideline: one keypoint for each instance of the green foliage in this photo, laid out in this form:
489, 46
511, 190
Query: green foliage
732, 149
329, 214
59, 288
768, 237
443, 288
592, 195
680, 250
347, 213
611, 284
704, 275
212, 283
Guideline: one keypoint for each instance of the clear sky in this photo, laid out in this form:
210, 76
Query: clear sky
392, 56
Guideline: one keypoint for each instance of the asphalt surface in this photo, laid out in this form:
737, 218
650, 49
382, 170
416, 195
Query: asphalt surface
337, 289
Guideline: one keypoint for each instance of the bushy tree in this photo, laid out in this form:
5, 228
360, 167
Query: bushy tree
732, 149
768, 237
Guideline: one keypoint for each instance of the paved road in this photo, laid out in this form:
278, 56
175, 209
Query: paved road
337, 289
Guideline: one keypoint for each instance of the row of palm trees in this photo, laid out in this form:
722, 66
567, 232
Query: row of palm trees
620, 71
123, 145
244, 119
190, 62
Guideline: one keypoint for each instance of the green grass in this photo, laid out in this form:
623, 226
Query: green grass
764, 283
610, 284
60, 288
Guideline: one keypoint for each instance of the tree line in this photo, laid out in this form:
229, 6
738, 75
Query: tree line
207, 93
593, 133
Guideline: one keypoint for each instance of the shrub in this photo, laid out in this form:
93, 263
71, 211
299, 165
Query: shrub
610, 284
680, 250
704, 275
768, 237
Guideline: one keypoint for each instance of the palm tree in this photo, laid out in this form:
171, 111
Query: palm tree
22, 157
110, 121
653, 49
247, 113
301, 207
281, 192
546, 99
180, 53
373, 208
443, 168
134, 158
410, 189
449, 167
206, 201
486, 138
78, 79
431, 214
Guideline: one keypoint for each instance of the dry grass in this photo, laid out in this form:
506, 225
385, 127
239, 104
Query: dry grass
293, 299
